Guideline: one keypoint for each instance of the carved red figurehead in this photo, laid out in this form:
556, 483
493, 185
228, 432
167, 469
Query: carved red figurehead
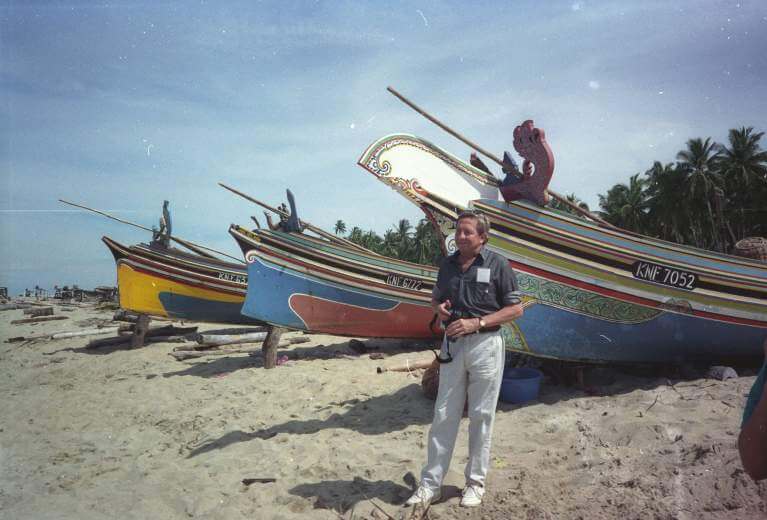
537, 168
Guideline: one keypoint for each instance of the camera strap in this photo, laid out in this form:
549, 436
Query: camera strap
449, 357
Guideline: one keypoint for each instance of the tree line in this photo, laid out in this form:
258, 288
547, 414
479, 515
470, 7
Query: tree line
419, 244
711, 197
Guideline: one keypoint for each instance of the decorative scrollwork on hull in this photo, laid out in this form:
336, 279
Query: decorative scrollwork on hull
251, 256
382, 171
450, 245
383, 168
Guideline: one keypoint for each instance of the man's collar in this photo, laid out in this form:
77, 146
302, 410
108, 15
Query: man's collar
482, 253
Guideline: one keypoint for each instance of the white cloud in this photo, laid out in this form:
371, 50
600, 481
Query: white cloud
594, 84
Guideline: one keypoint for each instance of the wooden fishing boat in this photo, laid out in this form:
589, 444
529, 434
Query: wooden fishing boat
164, 281
305, 283
592, 293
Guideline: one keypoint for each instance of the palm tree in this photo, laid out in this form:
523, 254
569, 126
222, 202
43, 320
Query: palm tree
370, 240
427, 244
340, 227
700, 163
355, 235
626, 205
744, 167
666, 215
403, 239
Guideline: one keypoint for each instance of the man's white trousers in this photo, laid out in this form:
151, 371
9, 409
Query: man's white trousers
476, 370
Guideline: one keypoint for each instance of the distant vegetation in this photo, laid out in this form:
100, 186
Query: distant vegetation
420, 244
711, 197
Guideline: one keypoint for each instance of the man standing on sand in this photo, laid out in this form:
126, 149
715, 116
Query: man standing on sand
476, 292
752, 442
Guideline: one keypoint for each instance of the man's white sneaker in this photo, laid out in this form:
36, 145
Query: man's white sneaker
472, 495
423, 495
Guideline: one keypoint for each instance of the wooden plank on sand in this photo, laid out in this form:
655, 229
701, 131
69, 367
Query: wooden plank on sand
39, 320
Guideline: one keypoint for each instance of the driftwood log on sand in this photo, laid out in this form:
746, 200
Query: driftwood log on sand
39, 320
63, 334
217, 340
407, 366
181, 353
152, 335
132, 317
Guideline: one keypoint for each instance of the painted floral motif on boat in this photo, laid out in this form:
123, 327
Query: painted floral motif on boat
583, 302
513, 339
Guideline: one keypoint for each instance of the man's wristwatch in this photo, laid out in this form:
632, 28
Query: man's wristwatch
482, 324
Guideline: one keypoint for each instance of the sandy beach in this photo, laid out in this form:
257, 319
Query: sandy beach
120, 433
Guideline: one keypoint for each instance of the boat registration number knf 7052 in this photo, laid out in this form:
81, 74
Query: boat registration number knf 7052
664, 275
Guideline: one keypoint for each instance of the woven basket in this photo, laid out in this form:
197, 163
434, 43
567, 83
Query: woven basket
752, 247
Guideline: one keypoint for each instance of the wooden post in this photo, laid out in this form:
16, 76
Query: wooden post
142, 325
269, 348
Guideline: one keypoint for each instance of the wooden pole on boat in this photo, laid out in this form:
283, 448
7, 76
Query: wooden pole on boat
197, 248
321, 232
493, 157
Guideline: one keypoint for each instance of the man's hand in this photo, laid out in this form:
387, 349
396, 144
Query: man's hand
462, 327
443, 310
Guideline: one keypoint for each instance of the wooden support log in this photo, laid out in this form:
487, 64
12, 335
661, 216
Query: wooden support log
153, 335
170, 330
87, 332
142, 325
187, 354
216, 340
407, 366
132, 317
237, 331
165, 339
123, 315
127, 340
108, 342
206, 348
269, 348
39, 320
36, 312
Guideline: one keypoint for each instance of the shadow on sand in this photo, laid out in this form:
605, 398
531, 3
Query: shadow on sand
373, 416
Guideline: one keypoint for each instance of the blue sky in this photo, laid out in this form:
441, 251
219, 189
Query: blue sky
122, 105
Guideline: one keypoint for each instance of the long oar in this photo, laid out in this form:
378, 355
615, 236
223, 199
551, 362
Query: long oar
491, 156
321, 232
197, 248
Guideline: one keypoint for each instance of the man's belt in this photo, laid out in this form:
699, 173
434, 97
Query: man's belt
494, 328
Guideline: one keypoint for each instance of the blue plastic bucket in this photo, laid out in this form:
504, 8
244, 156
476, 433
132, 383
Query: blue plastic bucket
520, 385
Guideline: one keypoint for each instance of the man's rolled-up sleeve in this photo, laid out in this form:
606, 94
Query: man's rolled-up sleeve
510, 293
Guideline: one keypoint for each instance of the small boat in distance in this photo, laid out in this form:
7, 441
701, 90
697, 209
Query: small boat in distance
164, 281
